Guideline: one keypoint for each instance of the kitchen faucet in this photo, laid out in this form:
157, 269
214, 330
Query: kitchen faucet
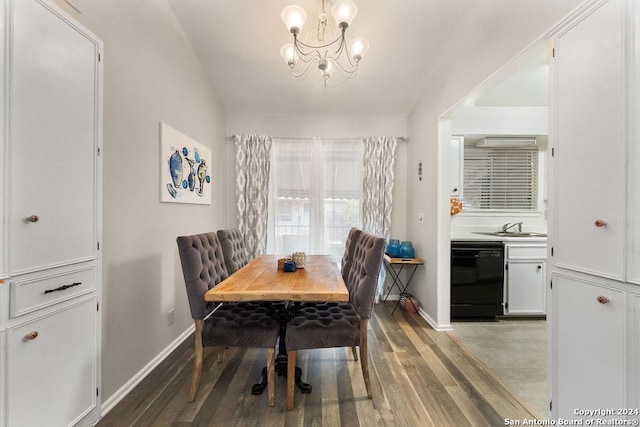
508, 225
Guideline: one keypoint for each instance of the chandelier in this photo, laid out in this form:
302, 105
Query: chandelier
324, 46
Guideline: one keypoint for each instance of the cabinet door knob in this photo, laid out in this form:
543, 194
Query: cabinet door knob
602, 299
33, 218
31, 335
600, 223
539, 267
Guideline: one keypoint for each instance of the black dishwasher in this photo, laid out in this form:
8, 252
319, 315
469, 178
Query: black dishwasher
477, 279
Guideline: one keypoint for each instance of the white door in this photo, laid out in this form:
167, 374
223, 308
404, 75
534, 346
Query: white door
54, 131
588, 116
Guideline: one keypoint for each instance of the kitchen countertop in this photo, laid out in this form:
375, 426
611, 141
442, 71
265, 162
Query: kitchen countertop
468, 236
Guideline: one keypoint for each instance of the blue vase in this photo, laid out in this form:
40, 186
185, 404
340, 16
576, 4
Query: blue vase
175, 168
393, 248
407, 250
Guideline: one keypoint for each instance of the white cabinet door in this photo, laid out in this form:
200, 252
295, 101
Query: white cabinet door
588, 346
3, 376
457, 164
54, 133
4, 172
51, 375
634, 349
633, 209
526, 287
588, 116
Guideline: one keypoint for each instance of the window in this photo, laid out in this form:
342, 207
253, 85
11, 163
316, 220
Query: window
501, 178
315, 195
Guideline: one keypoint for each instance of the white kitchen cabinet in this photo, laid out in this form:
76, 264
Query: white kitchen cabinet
51, 187
588, 141
634, 345
589, 345
457, 165
3, 375
4, 173
594, 211
633, 147
526, 280
51, 378
53, 122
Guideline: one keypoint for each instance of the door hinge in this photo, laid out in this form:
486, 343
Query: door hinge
551, 405
98, 243
98, 151
97, 306
553, 151
506, 266
553, 52
99, 57
552, 251
97, 392
550, 284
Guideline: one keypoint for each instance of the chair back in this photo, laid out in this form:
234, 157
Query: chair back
349, 251
233, 249
202, 267
362, 279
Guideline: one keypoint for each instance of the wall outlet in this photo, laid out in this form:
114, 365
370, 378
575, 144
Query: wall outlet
171, 317
420, 217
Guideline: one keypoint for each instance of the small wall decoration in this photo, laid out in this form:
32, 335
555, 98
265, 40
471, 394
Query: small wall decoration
185, 168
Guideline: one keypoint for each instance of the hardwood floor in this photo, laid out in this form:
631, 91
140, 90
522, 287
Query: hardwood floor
419, 377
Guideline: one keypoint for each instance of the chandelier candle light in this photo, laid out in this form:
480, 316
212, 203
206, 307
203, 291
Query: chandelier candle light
315, 50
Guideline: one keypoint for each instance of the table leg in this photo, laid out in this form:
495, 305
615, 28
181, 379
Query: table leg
395, 275
397, 282
283, 313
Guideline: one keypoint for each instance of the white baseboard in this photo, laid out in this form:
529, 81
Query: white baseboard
116, 397
433, 323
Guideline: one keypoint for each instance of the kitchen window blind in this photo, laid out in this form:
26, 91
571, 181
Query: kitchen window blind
500, 178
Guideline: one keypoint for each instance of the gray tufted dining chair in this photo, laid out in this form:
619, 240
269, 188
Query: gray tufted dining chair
323, 325
241, 324
233, 249
349, 251
347, 260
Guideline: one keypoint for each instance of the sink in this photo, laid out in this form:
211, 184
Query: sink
511, 234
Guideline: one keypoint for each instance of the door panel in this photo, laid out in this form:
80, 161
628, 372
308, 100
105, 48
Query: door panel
53, 140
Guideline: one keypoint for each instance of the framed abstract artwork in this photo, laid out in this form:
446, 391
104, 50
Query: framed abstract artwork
185, 168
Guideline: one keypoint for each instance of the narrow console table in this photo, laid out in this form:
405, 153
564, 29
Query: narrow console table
395, 266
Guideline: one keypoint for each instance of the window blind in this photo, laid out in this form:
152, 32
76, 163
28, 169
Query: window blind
501, 178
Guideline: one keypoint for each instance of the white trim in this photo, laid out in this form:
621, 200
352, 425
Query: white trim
116, 397
432, 323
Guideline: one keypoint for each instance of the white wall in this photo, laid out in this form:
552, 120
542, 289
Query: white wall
489, 35
150, 75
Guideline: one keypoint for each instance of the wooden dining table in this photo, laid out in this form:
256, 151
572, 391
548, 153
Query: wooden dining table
260, 280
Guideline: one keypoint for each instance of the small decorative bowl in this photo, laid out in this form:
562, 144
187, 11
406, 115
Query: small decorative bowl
281, 262
289, 266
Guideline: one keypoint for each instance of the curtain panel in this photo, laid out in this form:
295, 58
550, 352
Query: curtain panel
315, 194
252, 189
377, 190
377, 184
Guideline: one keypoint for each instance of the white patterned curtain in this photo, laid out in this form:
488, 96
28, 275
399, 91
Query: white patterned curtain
377, 184
252, 189
377, 189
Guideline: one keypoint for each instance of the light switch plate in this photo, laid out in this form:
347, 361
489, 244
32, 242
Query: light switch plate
420, 217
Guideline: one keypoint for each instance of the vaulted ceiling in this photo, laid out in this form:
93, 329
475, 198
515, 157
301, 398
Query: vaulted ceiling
238, 43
